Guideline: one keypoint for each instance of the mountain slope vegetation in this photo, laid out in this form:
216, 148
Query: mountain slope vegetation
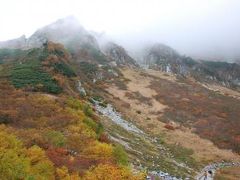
48, 131
184, 112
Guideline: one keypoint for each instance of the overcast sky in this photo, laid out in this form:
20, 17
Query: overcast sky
193, 27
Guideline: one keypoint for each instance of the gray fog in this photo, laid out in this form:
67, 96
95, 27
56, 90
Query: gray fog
203, 29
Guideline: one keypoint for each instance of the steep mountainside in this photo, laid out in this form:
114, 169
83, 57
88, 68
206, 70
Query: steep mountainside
179, 114
160, 53
226, 74
48, 128
118, 55
80, 43
166, 59
66, 31
73, 109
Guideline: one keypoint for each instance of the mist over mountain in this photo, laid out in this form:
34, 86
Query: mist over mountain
190, 45
200, 29
67, 31
101, 49
120, 90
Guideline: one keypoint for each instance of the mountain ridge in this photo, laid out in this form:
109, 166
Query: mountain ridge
164, 58
50, 90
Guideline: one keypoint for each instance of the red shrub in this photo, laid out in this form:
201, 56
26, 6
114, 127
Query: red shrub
169, 127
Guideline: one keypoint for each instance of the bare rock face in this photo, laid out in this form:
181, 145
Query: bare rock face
118, 55
166, 59
159, 53
227, 74
79, 42
67, 31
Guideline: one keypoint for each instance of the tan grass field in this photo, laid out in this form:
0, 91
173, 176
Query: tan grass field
146, 116
232, 173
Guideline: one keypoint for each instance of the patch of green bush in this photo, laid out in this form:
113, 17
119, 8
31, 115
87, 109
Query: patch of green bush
43, 56
189, 61
87, 110
4, 118
64, 69
182, 154
11, 53
56, 138
120, 155
97, 127
74, 103
98, 55
217, 64
88, 68
30, 74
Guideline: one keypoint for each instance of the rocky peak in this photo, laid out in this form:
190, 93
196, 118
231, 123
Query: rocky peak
164, 58
67, 31
118, 55
163, 50
159, 54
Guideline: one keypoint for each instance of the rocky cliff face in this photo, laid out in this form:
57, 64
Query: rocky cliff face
166, 59
82, 45
226, 74
118, 55
159, 53
67, 31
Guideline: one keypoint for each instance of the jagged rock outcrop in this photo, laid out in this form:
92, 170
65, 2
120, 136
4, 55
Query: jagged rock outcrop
224, 73
82, 44
67, 31
166, 59
118, 55
84, 47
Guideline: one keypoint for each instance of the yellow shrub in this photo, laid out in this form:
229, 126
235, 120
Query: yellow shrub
107, 172
17, 162
100, 150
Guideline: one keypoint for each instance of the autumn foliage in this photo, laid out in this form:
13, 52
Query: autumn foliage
106, 172
48, 137
56, 135
18, 162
